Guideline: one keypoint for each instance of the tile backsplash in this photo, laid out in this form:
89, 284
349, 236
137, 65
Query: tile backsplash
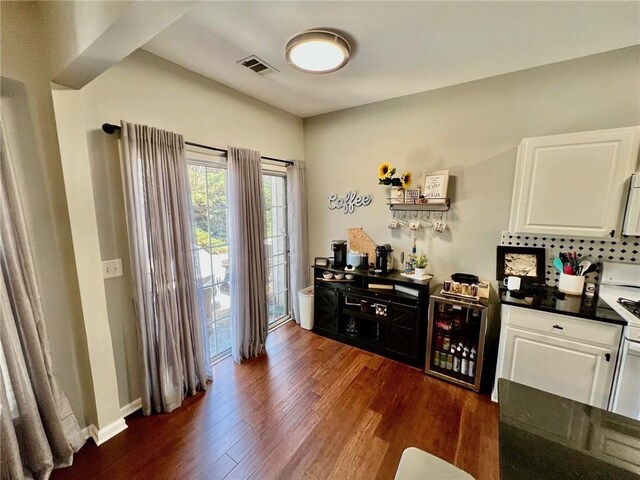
627, 249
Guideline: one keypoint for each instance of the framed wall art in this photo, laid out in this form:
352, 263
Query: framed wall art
528, 263
435, 184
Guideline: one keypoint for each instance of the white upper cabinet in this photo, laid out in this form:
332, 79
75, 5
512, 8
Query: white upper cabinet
574, 184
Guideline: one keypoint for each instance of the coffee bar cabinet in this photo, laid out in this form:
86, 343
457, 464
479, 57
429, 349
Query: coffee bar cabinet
370, 312
457, 341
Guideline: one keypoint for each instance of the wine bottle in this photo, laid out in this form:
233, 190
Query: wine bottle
449, 365
472, 362
437, 347
464, 364
456, 358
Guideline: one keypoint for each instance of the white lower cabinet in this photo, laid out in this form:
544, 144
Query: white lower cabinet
571, 357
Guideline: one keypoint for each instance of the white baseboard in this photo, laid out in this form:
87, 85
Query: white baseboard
131, 407
102, 435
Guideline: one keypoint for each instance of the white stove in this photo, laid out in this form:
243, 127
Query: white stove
620, 289
620, 285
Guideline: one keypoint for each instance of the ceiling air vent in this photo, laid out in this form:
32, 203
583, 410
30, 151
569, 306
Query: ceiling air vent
257, 65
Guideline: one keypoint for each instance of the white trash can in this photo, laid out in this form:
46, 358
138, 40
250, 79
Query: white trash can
305, 298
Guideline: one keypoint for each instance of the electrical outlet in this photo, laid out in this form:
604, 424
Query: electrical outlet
112, 268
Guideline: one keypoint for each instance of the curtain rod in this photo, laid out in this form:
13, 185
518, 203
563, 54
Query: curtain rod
111, 129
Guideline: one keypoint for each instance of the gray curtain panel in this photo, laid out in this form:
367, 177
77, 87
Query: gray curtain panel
247, 257
38, 430
155, 179
298, 232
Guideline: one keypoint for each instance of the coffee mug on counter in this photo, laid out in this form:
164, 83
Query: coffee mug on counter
512, 283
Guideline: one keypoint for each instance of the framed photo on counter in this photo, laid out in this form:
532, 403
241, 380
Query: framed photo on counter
435, 184
528, 263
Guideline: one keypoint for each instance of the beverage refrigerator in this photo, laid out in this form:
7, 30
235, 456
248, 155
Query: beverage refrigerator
457, 337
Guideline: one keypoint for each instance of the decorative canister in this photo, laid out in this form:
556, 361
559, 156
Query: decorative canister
396, 195
571, 284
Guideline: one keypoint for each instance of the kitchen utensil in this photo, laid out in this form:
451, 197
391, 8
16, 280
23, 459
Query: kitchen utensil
592, 268
584, 265
557, 263
568, 269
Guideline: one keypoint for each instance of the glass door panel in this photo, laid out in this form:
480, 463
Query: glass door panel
210, 219
276, 244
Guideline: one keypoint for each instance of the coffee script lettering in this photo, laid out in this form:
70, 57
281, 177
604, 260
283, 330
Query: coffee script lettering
349, 202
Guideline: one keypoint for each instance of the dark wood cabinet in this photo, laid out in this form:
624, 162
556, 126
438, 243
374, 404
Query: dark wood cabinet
384, 321
325, 308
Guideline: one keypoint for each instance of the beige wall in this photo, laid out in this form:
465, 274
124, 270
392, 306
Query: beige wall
472, 129
28, 113
72, 27
146, 89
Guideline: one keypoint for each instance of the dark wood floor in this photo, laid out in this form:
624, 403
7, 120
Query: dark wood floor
311, 408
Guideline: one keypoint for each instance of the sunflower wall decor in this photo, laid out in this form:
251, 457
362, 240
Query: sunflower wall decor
386, 173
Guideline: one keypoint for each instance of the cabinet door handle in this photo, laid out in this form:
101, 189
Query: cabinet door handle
558, 327
607, 357
612, 233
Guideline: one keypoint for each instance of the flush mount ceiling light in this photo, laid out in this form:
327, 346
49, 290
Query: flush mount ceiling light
317, 51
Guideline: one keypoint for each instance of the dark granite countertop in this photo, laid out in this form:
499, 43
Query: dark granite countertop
545, 299
544, 436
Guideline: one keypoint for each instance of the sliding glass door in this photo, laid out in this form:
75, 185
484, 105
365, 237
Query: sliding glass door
208, 182
210, 219
277, 248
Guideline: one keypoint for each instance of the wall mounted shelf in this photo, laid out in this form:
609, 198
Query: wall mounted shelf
443, 205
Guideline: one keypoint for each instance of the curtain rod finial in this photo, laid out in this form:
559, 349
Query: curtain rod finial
108, 128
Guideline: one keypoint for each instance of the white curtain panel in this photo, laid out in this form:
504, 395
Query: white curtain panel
156, 187
38, 430
247, 257
298, 232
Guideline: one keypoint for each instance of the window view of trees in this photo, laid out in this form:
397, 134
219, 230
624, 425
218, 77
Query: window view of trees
209, 206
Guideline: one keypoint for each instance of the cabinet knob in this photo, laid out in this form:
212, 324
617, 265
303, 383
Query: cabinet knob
558, 327
607, 357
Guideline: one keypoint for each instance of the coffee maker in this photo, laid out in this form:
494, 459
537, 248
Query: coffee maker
384, 259
339, 248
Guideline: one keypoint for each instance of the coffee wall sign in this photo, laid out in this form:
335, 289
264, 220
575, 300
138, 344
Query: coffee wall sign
349, 202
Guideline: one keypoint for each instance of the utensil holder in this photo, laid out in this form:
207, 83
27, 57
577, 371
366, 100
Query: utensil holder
571, 284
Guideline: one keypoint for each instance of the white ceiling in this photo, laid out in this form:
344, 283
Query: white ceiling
400, 47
